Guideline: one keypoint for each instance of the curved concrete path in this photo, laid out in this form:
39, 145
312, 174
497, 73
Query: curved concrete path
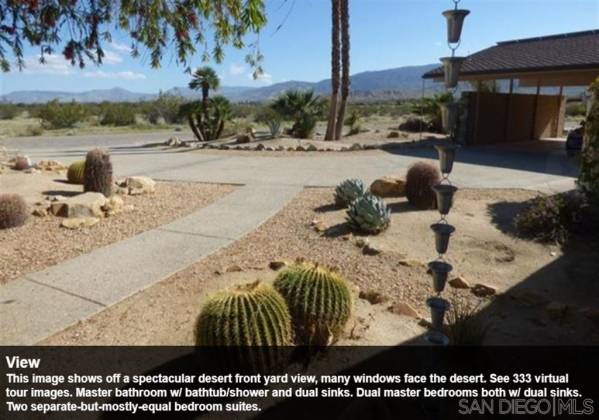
40, 304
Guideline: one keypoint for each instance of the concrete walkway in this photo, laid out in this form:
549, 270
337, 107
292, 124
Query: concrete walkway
40, 304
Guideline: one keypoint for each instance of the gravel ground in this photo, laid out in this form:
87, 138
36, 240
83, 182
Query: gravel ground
41, 242
398, 274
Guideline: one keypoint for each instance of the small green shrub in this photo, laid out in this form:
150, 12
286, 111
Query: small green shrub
464, 327
97, 175
353, 122
369, 214
13, 211
59, 115
420, 179
271, 119
118, 115
165, 108
348, 191
76, 172
319, 301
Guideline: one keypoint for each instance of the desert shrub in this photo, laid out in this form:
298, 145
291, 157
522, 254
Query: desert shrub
271, 119
118, 115
369, 214
165, 108
57, 115
97, 175
420, 179
76, 172
576, 109
319, 301
415, 125
9, 111
33, 131
13, 211
464, 327
304, 108
353, 122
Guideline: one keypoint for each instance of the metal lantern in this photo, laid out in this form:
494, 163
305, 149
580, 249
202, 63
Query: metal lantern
443, 232
449, 116
446, 156
455, 21
438, 307
452, 66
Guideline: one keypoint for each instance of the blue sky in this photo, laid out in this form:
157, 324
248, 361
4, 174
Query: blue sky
384, 34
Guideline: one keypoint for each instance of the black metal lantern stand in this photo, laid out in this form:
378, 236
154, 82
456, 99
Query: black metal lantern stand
445, 191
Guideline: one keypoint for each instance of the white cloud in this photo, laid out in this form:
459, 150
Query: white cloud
111, 57
120, 47
54, 64
236, 69
264, 77
124, 75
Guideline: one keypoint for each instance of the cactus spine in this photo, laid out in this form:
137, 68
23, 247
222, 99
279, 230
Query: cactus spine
76, 172
98, 172
319, 301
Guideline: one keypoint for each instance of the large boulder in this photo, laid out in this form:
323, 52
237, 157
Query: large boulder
388, 186
243, 139
137, 185
84, 205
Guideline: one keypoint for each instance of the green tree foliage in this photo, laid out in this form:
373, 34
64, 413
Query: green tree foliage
588, 180
304, 108
9, 111
164, 109
119, 115
155, 25
58, 115
269, 117
207, 122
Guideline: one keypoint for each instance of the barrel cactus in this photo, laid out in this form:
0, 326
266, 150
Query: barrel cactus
13, 211
348, 191
252, 321
319, 301
76, 172
369, 214
98, 172
420, 179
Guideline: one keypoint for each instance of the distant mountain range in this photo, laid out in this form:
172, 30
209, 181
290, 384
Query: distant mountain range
402, 82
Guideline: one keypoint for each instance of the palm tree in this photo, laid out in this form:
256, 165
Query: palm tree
304, 108
204, 79
221, 113
345, 81
335, 68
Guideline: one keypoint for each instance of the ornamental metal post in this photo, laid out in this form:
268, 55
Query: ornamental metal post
445, 191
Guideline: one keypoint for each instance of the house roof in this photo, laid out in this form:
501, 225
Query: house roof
571, 51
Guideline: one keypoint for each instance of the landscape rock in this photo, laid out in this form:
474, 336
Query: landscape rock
114, 205
277, 265
393, 135
40, 212
137, 185
361, 242
300, 149
370, 249
355, 146
173, 142
233, 269
51, 166
319, 225
459, 283
84, 205
482, 290
411, 263
405, 309
311, 148
79, 222
388, 186
260, 147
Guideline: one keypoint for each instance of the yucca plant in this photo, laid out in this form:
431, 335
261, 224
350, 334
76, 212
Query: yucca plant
420, 179
13, 211
348, 191
369, 214
97, 175
252, 320
76, 172
319, 301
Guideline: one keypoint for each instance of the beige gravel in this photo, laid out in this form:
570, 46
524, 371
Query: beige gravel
165, 313
41, 242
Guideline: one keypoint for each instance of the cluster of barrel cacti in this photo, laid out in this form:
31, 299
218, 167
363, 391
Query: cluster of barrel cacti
13, 211
307, 305
97, 174
76, 172
420, 179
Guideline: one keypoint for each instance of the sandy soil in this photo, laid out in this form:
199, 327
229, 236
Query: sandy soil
483, 251
41, 242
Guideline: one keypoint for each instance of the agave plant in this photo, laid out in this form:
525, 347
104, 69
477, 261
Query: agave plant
368, 214
348, 191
